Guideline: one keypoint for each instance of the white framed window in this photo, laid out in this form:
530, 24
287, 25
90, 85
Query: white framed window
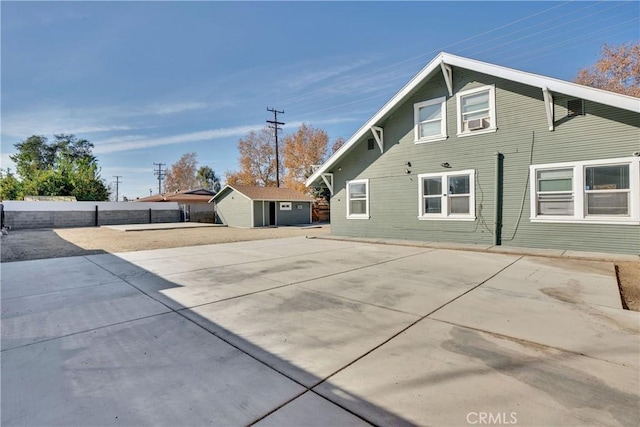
449, 195
594, 191
476, 111
358, 199
285, 206
430, 120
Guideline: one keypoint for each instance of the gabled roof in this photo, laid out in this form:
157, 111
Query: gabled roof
266, 193
198, 195
435, 66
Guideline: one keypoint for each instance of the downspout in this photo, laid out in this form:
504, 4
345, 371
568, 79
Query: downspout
497, 201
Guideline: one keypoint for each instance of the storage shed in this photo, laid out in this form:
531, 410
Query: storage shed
239, 206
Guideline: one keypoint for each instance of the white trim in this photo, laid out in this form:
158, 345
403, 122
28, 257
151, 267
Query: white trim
367, 198
579, 209
286, 206
444, 214
447, 73
548, 106
378, 135
253, 224
492, 110
328, 180
554, 85
443, 120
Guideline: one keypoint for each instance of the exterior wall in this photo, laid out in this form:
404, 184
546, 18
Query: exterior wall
522, 137
260, 216
202, 212
234, 210
295, 216
24, 215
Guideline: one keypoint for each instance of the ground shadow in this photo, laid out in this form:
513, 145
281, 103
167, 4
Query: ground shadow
25, 245
88, 407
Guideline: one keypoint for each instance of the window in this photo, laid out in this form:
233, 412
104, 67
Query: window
430, 120
555, 192
285, 206
358, 199
370, 144
607, 190
447, 195
476, 111
594, 191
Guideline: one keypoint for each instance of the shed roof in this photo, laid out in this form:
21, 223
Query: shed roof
266, 193
199, 195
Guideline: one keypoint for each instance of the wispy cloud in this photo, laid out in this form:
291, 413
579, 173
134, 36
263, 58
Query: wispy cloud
303, 79
146, 142
179, 107
128, 143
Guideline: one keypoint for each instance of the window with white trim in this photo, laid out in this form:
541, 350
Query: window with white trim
358, 199
596, 191
430, 120
476, 110
449, 195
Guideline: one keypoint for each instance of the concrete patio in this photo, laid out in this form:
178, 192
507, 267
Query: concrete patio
316, 332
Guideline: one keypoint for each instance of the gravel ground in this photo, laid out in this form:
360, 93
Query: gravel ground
21, 245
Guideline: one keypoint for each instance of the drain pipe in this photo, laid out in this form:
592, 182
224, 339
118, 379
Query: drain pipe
497, 201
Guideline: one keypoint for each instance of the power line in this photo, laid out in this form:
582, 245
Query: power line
117, 177
160, 174
273, 124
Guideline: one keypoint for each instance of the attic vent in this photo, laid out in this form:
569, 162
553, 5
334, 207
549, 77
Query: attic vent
370, 144
575, 107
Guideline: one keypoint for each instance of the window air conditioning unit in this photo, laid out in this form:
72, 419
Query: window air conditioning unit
475, 124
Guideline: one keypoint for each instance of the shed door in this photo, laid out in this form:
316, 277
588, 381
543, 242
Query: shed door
272, 213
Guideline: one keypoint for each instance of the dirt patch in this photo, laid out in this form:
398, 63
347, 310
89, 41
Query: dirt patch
22, 245
629, 282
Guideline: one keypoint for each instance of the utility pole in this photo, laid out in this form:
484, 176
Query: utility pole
273, 124
117, 177
160, 174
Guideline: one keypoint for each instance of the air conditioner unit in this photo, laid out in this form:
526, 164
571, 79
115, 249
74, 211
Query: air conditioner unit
475, 124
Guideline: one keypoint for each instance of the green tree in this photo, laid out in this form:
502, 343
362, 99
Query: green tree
208, 178
66, 167
10, 187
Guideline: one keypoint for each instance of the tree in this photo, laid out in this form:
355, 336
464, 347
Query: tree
337, 144
65, 167
182, 174
257, 161
207, 178
617, 70
10, 187
300, 152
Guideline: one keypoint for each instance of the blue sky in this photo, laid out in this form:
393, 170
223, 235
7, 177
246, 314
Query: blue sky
149, 81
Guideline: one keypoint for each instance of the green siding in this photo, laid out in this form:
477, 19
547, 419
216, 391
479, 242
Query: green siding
234, 210
522, 136
295, 215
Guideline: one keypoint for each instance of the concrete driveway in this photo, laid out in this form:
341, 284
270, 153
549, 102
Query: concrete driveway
316, 332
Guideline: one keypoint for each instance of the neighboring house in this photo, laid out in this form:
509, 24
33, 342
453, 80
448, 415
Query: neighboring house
238, 206
473, 152
194, 204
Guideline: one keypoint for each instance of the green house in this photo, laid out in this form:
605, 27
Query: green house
472, 152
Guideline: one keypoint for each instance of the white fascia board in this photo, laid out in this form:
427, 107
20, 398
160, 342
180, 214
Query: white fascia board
624, 102
229, 187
